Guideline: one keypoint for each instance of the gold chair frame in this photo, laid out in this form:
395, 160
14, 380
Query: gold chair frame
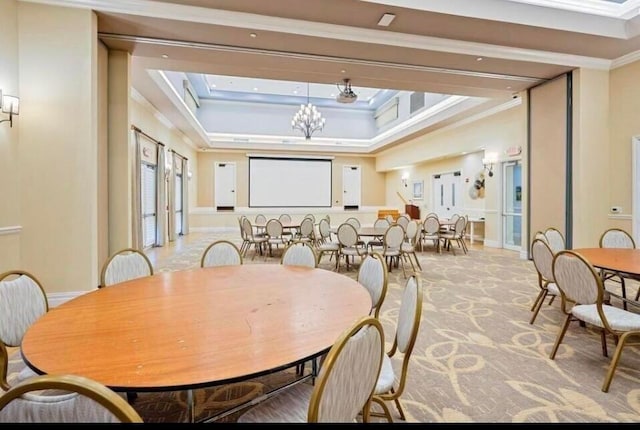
217, 242
103, 272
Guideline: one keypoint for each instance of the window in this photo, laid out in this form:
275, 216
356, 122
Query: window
149, 201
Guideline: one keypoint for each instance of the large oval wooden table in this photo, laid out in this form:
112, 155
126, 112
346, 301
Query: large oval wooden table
196, 328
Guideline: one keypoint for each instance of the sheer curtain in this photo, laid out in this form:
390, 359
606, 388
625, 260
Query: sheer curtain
161, 205
185, 196
171, 196
136, 195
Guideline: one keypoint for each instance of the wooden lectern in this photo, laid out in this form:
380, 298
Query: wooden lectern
413, 211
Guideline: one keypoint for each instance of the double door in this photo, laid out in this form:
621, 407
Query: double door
446, 194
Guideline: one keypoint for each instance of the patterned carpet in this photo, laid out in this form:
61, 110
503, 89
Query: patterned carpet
477, 358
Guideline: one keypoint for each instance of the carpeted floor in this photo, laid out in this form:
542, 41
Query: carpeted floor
477, 358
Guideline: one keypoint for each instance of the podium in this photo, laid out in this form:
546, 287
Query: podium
413, 211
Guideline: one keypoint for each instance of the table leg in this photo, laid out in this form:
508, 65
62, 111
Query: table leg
191, 410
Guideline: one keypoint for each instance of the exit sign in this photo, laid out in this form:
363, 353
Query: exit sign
513, 151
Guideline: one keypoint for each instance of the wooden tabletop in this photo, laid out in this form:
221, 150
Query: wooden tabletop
196, 328
617, 259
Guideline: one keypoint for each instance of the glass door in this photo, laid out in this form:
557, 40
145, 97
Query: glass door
512, 205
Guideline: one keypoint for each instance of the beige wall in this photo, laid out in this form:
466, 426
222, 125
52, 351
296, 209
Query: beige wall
58, 145
591, 152
373, 183
423, 157
9, 143
103, 155
624, 124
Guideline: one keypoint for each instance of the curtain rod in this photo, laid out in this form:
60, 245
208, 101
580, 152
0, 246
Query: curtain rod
137, 130
179, 155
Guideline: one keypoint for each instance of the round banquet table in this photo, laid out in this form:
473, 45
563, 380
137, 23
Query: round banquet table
614, 259
196, 328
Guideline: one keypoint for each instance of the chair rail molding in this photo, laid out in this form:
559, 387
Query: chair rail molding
12, 229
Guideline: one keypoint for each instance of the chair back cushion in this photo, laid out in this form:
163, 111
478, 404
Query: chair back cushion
261, 219
576, 278
285, 218
347, 235
555, 239
306, 227
543, 259
616, 238
394, 236
125, 267
221, 253
324, 228
354, 222
431, 225
409, 315
22, 302
412, 231
299, 254
349, 374
274, 228
381, 223
372, 274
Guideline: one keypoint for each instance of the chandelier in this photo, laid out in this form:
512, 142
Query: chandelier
308, 119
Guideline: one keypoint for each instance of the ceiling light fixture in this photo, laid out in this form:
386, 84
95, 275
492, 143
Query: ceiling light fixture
346, 93
386, 19
307, 119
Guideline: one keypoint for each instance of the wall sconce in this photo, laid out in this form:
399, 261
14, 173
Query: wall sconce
404, 179
11, 105
488, 165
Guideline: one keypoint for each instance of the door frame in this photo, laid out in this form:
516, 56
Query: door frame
459, 183
235, 185
344, 166
635, 189
499, 174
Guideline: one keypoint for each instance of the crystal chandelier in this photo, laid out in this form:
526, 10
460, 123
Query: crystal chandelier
308, 119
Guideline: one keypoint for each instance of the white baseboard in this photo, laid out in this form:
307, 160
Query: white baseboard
56, 299
492, 244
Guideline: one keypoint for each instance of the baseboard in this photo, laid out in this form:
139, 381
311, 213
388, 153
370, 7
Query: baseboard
56, 299
492, 244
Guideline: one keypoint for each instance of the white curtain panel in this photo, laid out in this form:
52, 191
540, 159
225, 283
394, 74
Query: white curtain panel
136, 204
171, 196
185, 196
161, 205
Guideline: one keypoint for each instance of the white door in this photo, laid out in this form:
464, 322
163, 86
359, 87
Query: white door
225, 185
351, 187
446, 194
512, 205
178, 204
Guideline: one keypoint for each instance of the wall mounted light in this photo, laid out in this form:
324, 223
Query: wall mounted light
488, 163
11, 105
404, 179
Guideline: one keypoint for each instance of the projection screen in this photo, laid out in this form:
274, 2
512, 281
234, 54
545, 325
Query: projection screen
289, 182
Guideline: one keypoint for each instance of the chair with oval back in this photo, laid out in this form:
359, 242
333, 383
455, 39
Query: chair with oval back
456, 235
373, 275
408, 248
325, 245
403, 220
252, 239
221, 253
555, 239
392, 247
125, 265
275, 235
407, 327
543, 262
349, 244
299, 254
22, 302
83, 401
618, 238
583, 299
381, 223
342, 390
431, 231
306, 231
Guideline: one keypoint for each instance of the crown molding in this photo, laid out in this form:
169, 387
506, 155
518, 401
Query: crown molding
256, 22
632, 57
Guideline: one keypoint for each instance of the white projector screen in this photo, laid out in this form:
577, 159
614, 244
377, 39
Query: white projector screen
289, 182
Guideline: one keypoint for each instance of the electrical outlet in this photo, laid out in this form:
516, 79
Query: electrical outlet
616, 209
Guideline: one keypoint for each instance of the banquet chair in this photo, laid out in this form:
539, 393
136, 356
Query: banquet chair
618, 238
431, 231
349, 244
408, 247
257, 240
260, 219
403, 220
377, 241
407, 326
324, 244
543, 262
306, 231
77, 400
555, 239
275, 235
583, 299
456, 235
221, 253
299, 254
343, 388
22, 302
390, 219
392, 247
373, 275
125, 265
